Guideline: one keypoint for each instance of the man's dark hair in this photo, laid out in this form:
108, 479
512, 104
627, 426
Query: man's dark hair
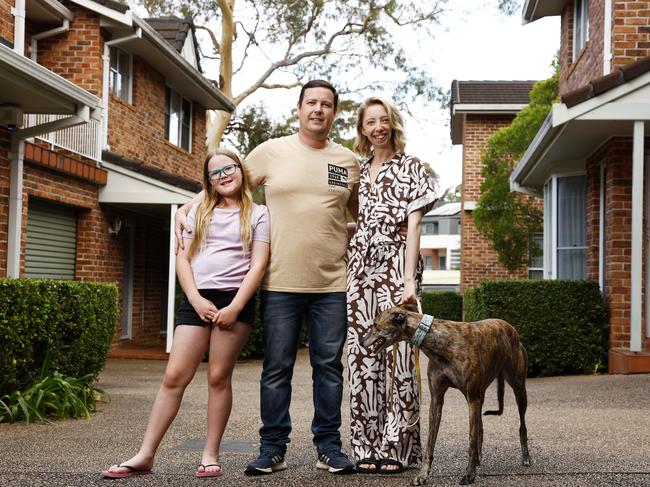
319, 83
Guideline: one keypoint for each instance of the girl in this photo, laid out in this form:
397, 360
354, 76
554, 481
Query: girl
384, 269
219, 271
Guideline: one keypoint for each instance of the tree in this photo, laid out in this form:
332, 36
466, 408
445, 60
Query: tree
284, 42
452, 193
506, 218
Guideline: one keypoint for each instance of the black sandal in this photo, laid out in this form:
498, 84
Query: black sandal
367, 461
391, 462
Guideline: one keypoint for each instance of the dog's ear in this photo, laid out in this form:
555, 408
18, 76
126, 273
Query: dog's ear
409, 305
399, 319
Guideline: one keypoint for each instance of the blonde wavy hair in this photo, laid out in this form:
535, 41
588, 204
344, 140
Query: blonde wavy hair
362, 145
212, 199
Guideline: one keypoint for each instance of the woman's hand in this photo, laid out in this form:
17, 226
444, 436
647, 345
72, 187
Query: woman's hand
408, 295
226, 317
205, 309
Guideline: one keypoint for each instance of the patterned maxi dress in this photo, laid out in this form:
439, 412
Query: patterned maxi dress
375, 282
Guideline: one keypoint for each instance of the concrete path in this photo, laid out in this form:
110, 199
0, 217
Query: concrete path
583, 431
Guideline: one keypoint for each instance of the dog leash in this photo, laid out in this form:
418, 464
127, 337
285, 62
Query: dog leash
423, 328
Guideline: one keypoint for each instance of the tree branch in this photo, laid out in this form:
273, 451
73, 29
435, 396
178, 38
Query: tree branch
213, 38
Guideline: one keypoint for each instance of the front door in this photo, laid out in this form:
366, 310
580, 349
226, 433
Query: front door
127, 281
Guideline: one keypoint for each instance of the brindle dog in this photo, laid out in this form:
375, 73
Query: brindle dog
467, 356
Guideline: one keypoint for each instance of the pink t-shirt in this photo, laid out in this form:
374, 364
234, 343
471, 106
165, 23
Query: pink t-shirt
221, 262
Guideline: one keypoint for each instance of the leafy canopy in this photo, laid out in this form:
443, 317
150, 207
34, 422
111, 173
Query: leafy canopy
506, 218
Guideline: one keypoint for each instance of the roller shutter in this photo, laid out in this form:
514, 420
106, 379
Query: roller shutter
51, 241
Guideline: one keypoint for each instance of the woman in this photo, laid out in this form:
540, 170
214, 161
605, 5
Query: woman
384, 269
219, 270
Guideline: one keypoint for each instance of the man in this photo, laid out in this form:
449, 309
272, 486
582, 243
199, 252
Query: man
309, 182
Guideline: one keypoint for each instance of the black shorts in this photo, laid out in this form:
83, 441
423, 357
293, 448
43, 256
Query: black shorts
187, 316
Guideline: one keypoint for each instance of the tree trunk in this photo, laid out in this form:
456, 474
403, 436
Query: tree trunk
219, 122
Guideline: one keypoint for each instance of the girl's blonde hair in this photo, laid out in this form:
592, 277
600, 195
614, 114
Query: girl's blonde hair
212, 199
362, 145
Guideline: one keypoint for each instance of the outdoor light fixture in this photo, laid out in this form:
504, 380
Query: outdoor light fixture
115, 226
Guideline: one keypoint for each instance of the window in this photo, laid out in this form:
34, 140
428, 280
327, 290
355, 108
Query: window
427, 229
565, 227
178, 119
455, 259
428, 262
119, 80
580, 26
571, 227
536, 257
443, 262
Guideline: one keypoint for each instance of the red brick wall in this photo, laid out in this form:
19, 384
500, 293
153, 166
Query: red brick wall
617, 157
588, 64
6, 20
76, 55
631, 36
478, 261
137, 131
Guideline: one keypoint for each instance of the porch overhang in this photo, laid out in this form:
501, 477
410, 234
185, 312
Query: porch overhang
126, 187
536, 9
31, 88
570, 134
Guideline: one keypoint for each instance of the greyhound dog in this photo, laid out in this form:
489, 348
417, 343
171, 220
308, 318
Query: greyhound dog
467, 356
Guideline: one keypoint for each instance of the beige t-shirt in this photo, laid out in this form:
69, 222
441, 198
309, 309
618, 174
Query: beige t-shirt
307, 191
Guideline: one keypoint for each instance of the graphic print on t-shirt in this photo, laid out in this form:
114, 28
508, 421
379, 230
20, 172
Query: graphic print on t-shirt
337, 176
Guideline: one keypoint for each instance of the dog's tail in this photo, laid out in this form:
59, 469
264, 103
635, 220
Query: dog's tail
500, 387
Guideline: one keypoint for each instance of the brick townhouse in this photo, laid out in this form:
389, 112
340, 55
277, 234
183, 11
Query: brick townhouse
102, 135
590, 163
478, 110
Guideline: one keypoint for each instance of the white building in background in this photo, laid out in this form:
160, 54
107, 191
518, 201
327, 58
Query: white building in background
440, 248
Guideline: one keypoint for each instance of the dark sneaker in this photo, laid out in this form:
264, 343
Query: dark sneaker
266, 464
335, 462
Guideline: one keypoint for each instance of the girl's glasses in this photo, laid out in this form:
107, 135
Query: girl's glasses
228, 170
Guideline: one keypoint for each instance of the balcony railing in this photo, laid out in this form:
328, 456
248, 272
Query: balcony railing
81, 139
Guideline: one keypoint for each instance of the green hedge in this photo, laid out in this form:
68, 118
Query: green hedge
445, 305
70, 322
562, 324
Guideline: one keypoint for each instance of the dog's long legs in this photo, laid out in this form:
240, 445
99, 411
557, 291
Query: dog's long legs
437, 393
475, 425
519, 387
500, 389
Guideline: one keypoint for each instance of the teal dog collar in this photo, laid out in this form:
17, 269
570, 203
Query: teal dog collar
422, 330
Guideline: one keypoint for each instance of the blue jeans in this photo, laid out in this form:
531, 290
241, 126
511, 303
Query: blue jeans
283, 315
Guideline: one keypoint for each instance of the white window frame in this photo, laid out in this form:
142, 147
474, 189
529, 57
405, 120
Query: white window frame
177, 129
550, 248
114, 73
580, 26
533, 269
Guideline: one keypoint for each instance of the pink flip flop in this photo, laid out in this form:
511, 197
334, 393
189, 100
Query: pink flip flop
132, 472
206, 474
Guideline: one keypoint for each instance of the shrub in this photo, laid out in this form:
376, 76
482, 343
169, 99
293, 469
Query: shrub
253, 347
51, 395
446, 305
70, 322
562, 324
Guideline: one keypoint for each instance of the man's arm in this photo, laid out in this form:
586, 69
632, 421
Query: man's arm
180, 220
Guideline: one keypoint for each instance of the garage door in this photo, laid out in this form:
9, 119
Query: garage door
51, 241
